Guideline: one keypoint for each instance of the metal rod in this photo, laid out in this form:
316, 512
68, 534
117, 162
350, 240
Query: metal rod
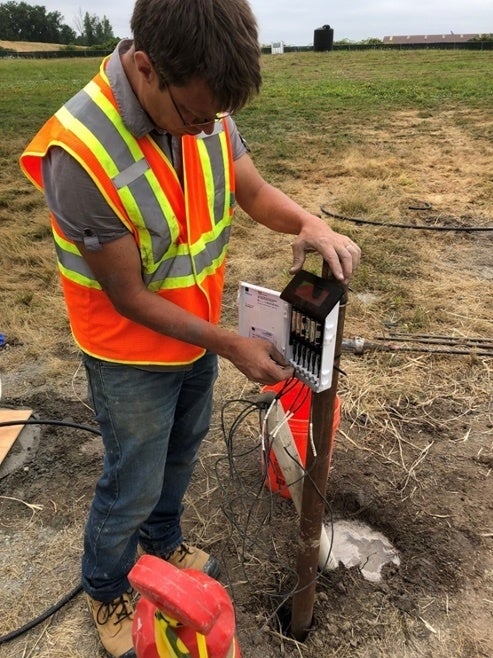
359, 346
314, 488
473, 339
439, 340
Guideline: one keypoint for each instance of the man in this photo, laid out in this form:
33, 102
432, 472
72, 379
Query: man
141, 170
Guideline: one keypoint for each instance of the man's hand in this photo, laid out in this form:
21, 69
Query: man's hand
340, 253
259, 360
272, 208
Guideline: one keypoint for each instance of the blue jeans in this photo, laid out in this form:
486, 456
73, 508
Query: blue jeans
152, 425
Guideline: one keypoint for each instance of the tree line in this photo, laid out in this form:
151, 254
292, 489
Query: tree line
20, 21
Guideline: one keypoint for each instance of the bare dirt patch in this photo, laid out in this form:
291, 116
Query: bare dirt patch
414, 451
436, 512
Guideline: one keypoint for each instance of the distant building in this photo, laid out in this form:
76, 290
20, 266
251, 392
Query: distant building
430, 38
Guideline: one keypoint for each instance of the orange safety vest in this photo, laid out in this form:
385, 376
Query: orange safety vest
182, 232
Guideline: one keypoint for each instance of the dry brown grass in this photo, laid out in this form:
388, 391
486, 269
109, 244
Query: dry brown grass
32, 46
409, 281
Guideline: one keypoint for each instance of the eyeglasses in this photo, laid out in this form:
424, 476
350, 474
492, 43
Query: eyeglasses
196, 123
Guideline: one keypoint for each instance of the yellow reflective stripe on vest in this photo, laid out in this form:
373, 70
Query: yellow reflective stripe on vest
208, 174
100, 99
69, 122
127, 197
73, 124
198, 277
226, 209
95, 92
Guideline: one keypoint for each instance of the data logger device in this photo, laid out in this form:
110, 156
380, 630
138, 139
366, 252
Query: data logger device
301, 321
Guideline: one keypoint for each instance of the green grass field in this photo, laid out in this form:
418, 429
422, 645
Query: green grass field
304, 90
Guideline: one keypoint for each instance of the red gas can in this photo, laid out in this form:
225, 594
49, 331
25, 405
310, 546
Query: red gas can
182, 613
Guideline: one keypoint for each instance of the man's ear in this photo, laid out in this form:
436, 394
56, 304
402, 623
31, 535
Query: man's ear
144, 66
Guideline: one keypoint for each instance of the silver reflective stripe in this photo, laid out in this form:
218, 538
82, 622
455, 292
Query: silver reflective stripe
180, 266
150, 209
212, 250
131, 173
215, 154
128, 175
83, 107
75, 263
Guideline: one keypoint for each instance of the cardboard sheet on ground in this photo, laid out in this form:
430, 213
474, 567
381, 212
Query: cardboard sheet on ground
8, 435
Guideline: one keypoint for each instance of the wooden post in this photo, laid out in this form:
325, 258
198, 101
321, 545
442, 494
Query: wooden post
314, 489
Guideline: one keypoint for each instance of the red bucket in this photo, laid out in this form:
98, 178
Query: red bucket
300, 397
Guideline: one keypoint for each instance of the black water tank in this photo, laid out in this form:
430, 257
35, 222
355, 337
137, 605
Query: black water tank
323, 39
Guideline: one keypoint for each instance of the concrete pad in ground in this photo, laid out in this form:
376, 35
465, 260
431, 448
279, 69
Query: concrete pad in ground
356, 544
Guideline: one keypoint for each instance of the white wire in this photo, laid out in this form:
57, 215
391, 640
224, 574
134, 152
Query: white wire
287, 417
312, 442
264, 424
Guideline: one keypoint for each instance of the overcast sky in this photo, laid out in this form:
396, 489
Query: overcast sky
294, 21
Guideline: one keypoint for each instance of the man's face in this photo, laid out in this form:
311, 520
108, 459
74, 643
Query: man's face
181, 110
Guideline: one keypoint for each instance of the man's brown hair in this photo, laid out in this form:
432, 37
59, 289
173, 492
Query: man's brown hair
215, 40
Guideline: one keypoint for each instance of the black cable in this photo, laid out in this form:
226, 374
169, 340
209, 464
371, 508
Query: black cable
63, 423
229, 436
239, 509
357, 220
38, 620
76, 590
279, 598
298, 404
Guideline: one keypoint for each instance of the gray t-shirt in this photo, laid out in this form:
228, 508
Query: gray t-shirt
72, 196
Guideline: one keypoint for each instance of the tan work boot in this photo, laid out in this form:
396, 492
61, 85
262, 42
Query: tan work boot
114, 623
189, 557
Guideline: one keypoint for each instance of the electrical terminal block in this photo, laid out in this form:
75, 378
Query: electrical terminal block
301, 322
